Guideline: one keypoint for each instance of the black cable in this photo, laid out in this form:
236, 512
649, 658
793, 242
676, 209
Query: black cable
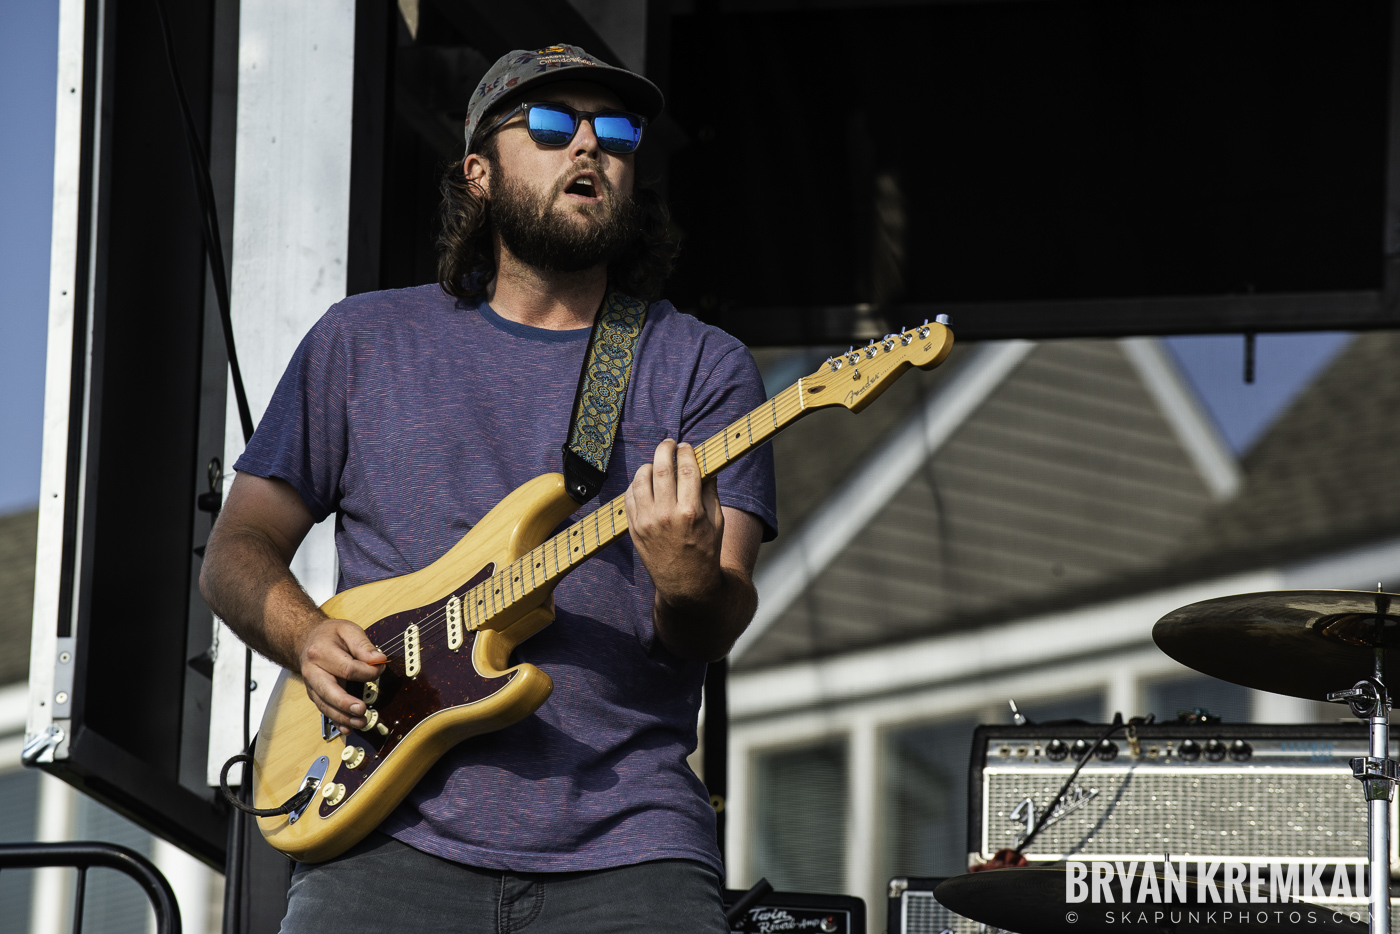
293, 803
1040, 823
213, 243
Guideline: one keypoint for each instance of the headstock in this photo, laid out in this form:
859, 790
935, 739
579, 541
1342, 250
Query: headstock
856, 377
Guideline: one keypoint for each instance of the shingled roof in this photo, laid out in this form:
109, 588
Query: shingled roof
18, 533
1066, 475
1325, 476
1068, 486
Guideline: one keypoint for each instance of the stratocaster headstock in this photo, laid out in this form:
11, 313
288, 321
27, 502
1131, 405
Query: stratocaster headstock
856, 377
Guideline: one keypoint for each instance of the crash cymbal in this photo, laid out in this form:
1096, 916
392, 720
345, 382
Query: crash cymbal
1304, 643
1032, 900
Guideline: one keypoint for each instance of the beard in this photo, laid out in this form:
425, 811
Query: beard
541, 233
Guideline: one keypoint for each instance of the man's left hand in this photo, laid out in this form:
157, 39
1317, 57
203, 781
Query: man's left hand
677, 526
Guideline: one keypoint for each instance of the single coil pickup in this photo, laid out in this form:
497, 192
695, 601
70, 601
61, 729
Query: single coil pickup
412, 656
454, 623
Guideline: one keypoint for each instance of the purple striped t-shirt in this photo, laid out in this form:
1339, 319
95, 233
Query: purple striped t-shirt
408, 415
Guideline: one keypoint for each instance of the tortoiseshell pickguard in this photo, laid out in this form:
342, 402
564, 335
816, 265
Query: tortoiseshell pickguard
447, 679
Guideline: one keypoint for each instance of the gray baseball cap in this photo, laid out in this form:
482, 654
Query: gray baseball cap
516, 71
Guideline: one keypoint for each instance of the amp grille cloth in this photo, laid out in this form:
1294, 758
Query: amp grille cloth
1220, 814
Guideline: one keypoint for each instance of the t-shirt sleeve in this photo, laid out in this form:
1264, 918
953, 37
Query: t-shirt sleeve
302, 437
732, 389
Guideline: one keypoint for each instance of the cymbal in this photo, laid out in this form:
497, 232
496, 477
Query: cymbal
1031, 900
1304, 643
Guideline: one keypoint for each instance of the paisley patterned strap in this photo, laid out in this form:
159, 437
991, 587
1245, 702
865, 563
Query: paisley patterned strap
602, 388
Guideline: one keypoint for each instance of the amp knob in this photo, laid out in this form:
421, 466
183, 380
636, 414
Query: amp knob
1055, 750
1080, 747
1107, 751
1240, 751
1215, 750
1190, 750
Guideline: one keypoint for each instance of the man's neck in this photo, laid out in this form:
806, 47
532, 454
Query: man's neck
557, 301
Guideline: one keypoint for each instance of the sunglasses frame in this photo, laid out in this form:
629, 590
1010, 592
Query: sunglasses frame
578, 116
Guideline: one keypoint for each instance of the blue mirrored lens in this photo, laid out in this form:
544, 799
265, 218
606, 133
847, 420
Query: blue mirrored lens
551, 127
617, 132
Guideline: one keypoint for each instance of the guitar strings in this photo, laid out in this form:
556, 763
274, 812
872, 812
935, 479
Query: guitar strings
784, 406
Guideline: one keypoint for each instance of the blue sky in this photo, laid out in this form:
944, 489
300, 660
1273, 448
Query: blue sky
1285, 363
28, 49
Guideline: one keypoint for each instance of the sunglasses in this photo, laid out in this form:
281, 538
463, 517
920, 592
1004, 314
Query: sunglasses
551, 124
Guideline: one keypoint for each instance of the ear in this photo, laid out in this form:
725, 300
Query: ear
477, 170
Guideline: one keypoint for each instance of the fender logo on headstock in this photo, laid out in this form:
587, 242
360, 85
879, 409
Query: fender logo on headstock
860, 390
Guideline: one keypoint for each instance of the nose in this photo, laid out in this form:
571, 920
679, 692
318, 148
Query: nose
585, 141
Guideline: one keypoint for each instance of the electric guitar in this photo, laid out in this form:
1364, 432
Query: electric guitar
449, 629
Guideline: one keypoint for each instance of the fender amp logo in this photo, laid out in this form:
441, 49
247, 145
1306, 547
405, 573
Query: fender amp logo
1027, 813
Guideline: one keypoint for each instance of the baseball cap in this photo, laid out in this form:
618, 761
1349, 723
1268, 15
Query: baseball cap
520, 70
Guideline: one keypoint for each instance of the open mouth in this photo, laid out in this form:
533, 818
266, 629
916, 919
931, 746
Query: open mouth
583, 187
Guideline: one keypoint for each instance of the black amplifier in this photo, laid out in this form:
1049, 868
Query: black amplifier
797, 911
1241, 792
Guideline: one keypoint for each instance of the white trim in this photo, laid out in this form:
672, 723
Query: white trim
59, 362
1038, 641
838, 520
863, 799
1357, 568
51, 900
1194, 427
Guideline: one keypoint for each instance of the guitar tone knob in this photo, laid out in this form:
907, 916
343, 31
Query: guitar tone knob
371, 720
352, 756
333, 793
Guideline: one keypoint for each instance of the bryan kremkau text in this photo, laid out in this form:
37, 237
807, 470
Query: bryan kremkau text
1101, 882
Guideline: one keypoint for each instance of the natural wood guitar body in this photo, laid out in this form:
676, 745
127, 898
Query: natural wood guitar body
449, 629
291, 737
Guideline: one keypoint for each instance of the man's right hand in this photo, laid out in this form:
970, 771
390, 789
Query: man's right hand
332, 653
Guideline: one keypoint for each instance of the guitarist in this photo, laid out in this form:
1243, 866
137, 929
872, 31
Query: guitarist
408, 414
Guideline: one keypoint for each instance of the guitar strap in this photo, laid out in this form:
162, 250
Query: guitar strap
602, 389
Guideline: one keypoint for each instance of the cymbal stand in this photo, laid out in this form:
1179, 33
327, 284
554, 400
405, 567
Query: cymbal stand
1378, 774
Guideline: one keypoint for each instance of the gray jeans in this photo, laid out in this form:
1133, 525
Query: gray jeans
382, 886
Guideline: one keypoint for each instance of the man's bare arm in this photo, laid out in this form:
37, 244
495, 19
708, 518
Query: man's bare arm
700, 554
247, 581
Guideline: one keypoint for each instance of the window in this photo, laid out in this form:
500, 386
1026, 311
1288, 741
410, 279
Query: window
1228, 701
925, 800
20, 791
114, 903
1088, 707
800, 814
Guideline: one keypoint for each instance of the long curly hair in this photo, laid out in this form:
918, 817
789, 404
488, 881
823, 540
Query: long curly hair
466, 261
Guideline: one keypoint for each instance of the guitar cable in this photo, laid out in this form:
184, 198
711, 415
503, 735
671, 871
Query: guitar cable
1044, 819
295, 803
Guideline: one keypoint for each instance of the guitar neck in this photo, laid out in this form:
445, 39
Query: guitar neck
546, 565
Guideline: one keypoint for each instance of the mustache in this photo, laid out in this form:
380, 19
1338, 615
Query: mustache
606, 192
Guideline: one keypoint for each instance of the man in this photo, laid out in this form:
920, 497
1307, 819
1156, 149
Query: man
408, 414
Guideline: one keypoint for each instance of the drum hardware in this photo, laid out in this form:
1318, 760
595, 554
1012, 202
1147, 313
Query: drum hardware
1300, 643
1033, 899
